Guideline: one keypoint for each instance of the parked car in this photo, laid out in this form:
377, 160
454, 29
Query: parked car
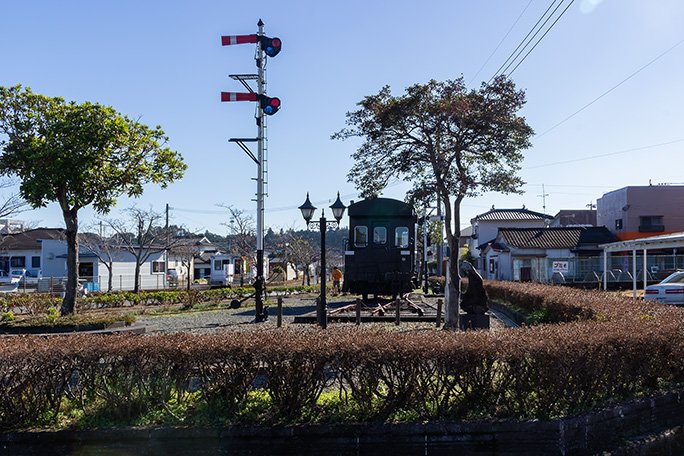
6, 279
172, 277
669, 291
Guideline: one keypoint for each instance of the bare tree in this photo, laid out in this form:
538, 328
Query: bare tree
142, 236
105, 249
186, 249
300, 253
241, 232
11, 204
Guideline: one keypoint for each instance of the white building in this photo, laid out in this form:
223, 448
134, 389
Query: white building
486, 227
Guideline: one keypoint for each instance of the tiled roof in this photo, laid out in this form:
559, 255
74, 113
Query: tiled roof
497, 215
556, 238
28, 239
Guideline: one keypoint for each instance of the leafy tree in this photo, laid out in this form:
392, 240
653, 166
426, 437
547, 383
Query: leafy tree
450, 142
79, 155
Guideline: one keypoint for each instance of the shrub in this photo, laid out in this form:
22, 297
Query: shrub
612, 349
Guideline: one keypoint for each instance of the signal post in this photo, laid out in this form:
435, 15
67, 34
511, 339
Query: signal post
266, 47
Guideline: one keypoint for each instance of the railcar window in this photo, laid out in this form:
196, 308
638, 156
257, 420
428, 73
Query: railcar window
401, 237
360, 236
379, 235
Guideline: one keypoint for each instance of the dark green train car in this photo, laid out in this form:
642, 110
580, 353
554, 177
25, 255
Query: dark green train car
380, 253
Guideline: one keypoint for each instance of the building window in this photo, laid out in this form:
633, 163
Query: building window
618, 224
651, 223
360, 236
86, 271
18, 262
158, 267
379, 235
401, 237
35, 262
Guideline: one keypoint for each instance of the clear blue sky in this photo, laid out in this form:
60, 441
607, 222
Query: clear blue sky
162, 61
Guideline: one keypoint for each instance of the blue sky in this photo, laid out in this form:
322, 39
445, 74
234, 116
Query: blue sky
603, 89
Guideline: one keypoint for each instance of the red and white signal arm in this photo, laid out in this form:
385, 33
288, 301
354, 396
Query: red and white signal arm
238, 39
561, 266
237, 96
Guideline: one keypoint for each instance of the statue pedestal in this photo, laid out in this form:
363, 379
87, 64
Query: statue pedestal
471, 321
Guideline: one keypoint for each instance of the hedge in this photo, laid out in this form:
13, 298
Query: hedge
625, 348
38, 303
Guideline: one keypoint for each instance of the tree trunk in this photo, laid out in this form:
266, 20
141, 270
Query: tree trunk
110, 281
452, 306
136, 287
71, 222
452, 310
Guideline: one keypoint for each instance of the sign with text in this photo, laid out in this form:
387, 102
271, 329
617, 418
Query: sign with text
561, 266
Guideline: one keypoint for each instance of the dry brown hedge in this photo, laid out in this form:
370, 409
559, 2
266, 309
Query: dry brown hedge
611, 348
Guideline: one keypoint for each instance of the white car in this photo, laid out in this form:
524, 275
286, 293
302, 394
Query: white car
669, 291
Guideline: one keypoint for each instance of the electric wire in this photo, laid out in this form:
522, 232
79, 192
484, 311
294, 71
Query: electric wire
500, 42
525, 42
610, 90
604, 155
542, 37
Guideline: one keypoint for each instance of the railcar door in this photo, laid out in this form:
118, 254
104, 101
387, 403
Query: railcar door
403, 249
381, 247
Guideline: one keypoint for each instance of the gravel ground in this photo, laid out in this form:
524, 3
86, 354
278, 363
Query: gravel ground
242, 319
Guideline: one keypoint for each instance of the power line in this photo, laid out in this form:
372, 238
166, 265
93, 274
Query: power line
542, 37
605, 155
500, 42
525, 42
611, 89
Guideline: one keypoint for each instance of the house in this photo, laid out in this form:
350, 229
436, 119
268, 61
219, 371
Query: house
231, 269
290, 273
534, 254
94, 271
8, 226
23, 250
645, 211
486, 227
573, 217
201, 249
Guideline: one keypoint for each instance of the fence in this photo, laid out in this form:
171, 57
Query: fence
620, 268
120, 282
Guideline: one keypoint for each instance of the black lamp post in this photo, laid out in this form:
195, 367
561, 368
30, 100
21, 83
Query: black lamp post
308, 210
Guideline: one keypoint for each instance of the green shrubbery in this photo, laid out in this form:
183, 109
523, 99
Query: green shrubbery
39, 303
609, 348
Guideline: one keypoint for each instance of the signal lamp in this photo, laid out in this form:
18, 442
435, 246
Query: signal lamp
271, 46
269, 105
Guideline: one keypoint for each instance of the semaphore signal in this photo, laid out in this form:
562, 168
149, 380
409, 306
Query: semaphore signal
266, 106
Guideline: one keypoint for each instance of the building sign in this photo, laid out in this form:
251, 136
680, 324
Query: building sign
561, 266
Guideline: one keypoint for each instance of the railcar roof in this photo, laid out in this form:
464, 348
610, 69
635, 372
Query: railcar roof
380, 207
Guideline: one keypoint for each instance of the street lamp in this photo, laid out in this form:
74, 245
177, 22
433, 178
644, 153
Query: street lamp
308, 210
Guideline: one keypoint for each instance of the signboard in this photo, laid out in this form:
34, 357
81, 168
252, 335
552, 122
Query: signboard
561, 266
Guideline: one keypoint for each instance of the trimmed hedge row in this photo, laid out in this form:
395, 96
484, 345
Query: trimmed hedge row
38, 303
347, 374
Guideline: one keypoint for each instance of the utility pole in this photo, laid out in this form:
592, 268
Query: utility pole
266, 47
543, 196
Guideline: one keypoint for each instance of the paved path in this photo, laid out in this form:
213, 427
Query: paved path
243, 318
